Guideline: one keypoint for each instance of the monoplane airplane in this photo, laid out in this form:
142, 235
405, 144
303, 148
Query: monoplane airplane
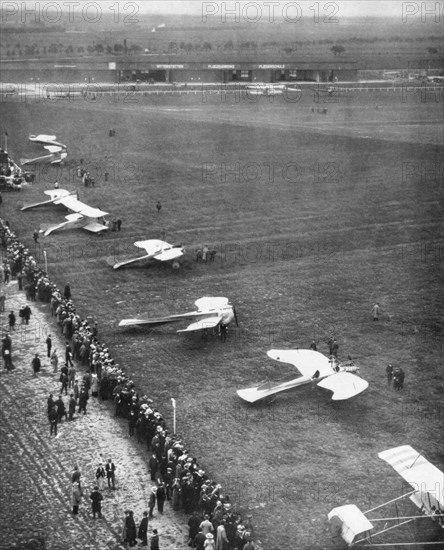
270, 89
83, 216
158, 250
314, 367
427, 482
211, 312
58, 151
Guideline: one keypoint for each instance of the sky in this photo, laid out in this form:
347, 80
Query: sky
345, 8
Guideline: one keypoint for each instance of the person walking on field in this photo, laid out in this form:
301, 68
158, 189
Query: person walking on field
36, 365
100, 476
110, 474
154, 545
76, 498
375, 312
48, 345
96, 502
11, 318
54, 361
143, 529
53, 417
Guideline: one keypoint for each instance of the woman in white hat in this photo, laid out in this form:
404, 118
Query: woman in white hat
209, 543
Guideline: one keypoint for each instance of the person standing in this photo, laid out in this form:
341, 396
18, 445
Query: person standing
67, 292
152, 501
54, 361
161, 497
100, 476
35, 236
130, 529
61, 410
27, 314
334, 348
193, 526
221, 537
71, 376
209, 542
71, 407
143, 530
83, 400
76, 498
68, 354
11, 318
96, 502
376, 311
48, 345
20, 276
389, 372
159, 207
205, 253
154, 544
110, 474
36, 364
52, 416
313, 345
199, 540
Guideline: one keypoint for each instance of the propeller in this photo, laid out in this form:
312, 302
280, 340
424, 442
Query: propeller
235, 316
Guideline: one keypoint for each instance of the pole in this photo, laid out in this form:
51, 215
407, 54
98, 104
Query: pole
46, 262
173, 401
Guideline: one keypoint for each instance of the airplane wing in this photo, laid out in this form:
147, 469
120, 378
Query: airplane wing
307, 362
95, 227
159, 250
210, 303
76, 206
52, 148
42, 138
55, 195
203, 324
418, 472
343, 385
24, 162
70, 218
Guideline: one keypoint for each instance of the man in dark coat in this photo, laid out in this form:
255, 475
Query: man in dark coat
48, 345
154, 541
161, 496
27, 314
110, 473
153, 465
130, 529
152, 502
83, 400
199, 540
52, 416
11, 318
143, 529
61, 411
67, 292
71, 406
36, 364
193, 524
96, 502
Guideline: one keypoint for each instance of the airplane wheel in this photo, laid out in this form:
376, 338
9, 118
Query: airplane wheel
176, 265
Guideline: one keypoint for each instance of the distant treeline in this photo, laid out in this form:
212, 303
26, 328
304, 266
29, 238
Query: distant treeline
26, 29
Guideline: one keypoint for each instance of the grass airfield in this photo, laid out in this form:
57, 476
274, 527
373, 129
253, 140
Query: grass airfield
314, 217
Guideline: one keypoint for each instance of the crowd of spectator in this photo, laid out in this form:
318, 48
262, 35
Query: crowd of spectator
176, 475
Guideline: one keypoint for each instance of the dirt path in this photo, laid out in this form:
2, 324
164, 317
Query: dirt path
35, 488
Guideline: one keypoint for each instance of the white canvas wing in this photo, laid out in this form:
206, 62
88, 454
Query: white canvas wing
73, 217
343, 385
160, 250
351, 520
202, 324
95, 227
209, 303
42, 137
307, 362
54, 194
57, 193
52, 148
423, 476
168, 255
76, 206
